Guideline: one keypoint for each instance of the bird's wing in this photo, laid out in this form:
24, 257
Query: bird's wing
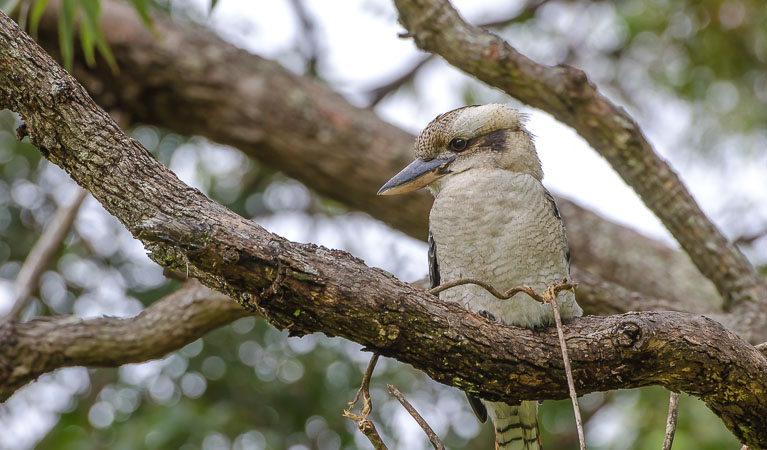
476, 404
433, 265
553, 205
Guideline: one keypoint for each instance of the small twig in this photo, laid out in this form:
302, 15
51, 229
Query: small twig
550, 296
673, 412
42, 252
307, 36
366, 425
748, 239
435, 442
381, 92
563, 286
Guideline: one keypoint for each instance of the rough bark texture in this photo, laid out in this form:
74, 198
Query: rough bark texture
190, 81
567, 94
306, 288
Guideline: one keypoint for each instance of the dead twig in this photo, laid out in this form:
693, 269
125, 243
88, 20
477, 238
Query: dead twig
563, 286
435, 442
379, 93
308, 45
550, 296
38, 258
748, 239
673, 412
366, 425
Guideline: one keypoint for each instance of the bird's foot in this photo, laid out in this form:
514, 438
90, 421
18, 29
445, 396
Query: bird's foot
487, 315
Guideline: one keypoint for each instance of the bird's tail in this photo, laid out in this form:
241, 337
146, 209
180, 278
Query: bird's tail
516, 426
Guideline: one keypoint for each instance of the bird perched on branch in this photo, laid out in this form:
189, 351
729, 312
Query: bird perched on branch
492, 220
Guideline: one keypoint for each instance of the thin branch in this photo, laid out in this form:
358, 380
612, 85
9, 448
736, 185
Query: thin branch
563, 286
308, 38
379, 93
42, 252
365, 425
433, 438
673, 412
748, 239
527, 13
550, 296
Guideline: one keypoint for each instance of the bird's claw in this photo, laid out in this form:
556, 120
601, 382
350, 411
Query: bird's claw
487, 315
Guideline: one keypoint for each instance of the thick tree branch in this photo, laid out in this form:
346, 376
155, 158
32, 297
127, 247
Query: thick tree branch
44, 345
192, 82
305, 288
567, 94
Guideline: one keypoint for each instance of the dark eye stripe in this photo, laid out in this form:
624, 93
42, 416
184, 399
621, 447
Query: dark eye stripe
495, 140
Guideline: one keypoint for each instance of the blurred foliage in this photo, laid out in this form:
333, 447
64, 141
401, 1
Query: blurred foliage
248, 386
80, 15
712, 53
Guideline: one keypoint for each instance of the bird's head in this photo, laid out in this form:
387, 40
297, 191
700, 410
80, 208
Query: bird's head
480, 136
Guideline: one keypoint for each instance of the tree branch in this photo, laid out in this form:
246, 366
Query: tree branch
433, 438
379, 93
30, 349
567, 94
37, 347
187, 76
46, 246
673, 413
306, 289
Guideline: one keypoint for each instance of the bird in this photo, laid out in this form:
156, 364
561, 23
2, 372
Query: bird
492, 220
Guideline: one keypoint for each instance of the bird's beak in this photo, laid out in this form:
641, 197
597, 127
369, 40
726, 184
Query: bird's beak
416, 175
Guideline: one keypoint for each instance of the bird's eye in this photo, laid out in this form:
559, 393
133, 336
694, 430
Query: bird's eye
458, 144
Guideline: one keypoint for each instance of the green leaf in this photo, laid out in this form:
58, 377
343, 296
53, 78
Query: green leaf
88, 29
86, 41
67, 32
7, 6
35, 15
91, 34
142, 8
213, 4
106, 52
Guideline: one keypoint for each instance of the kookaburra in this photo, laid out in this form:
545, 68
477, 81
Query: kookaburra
492, 220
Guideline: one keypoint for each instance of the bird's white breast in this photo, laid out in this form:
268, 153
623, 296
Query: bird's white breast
499, 227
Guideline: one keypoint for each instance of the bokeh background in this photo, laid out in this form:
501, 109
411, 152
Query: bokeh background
692, 72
